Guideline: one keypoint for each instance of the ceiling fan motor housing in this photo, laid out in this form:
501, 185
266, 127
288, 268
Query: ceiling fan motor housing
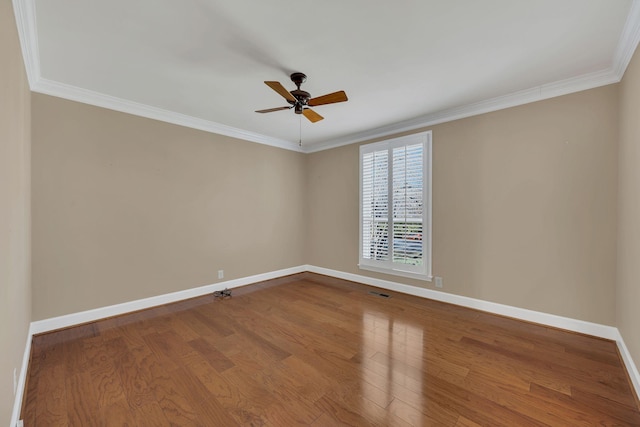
302, 98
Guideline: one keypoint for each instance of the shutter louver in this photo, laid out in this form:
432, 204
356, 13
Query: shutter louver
375, 212
407, 204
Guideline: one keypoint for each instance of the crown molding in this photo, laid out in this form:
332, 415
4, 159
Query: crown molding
538, 93
25, 14
73, 93
628, 42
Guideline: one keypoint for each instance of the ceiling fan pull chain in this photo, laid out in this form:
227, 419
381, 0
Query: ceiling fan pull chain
300, 140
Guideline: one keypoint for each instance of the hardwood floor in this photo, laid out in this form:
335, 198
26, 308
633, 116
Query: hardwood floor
313, 350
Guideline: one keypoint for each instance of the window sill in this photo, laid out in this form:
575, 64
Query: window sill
408, 274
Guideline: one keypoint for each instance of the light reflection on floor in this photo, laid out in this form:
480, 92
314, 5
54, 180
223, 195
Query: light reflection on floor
392, 367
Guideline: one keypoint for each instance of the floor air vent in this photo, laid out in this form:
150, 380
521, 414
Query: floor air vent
379, 294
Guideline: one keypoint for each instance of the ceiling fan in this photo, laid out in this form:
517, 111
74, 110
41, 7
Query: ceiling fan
301, 100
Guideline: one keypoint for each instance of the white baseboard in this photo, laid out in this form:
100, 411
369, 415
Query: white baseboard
68, 320
73, 319
22, 381
594, 329
589, 328
632, 368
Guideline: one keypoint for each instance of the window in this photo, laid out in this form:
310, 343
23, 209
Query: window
395, 206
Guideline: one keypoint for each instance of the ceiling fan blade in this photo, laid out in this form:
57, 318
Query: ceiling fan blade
330, 98
270, 110
281, 90
312, 115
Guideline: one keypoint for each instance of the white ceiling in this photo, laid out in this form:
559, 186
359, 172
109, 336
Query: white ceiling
403, 64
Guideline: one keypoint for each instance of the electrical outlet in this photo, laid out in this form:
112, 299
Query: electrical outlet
220, 274
438, 282
15, 380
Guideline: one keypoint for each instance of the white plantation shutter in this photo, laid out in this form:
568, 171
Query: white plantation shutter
407, 204
395, 206
375, 206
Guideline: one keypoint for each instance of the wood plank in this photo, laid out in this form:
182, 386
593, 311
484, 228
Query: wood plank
51, 407
82, 403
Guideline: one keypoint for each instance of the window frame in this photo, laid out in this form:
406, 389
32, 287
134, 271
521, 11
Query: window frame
389, 266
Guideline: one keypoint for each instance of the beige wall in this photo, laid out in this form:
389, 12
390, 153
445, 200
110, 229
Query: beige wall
524, 206
628, 279
15, 287
126, 208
